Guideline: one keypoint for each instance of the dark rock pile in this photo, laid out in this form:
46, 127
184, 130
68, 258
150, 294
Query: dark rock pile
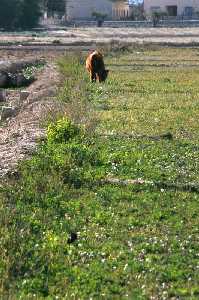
16, 80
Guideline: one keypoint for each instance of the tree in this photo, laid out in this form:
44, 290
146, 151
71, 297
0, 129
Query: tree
137, 11
55, 6
30, 13
9, 13
157, 16
100, 17
19, 14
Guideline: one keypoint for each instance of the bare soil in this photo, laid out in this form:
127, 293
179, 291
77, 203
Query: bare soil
19, 134
93, 35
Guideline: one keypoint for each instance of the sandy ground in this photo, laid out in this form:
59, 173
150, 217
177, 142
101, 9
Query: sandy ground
105, 35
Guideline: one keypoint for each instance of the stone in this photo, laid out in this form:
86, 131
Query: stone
3, 79
23, 81
2, 95
7, 112
24, 95
19, 80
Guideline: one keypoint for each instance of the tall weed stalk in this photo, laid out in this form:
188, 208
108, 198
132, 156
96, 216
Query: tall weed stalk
76, 91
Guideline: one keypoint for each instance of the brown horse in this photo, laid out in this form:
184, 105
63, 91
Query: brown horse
95, 66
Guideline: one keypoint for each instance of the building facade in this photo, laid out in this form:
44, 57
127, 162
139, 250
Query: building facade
121, 10
173, 8
83, 9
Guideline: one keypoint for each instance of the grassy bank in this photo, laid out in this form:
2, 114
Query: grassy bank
65, 233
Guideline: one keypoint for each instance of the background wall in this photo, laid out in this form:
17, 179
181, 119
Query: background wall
163, 3
83, 9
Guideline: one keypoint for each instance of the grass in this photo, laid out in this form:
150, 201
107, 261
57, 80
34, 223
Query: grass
131, 242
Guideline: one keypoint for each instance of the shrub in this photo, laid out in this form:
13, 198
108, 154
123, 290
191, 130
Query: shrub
62, 131
19, 14
76, 92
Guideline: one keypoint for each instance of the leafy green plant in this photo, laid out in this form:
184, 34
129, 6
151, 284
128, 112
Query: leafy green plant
99, 16
30, 71
157, 16
62, 131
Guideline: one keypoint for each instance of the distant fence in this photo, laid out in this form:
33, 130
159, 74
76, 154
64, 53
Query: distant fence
52, 21
118, 24
162, 23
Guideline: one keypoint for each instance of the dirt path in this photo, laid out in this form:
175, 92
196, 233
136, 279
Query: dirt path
20, 134
69, 37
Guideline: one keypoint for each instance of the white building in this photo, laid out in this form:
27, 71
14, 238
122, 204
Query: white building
121, 10
83, 9
174, 8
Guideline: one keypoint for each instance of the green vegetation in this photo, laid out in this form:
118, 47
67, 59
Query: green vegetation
65, 234
25, 14
19, 14
52, 7
29, 72
99, 17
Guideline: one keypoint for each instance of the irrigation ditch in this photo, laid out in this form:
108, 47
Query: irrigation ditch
25, 102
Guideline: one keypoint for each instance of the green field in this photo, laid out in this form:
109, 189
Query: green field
68, 233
